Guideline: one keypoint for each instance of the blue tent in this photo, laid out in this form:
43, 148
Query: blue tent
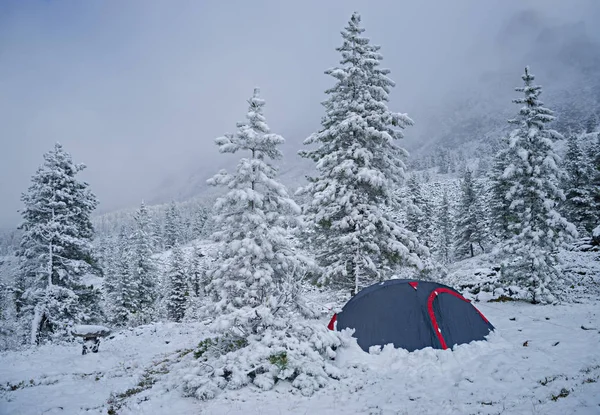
412, 315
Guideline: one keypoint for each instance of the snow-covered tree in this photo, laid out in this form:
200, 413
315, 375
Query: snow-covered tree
500, 214
197, 273
595, 157
173, 232
177, 287
445, 227
358, 166
539, 229
121, 289
253, 222
470, 220
144, 272
56, 250
415, 212
578, 188
254, 282
443, 160
199, 220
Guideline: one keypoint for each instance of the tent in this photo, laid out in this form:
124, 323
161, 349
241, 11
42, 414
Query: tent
412, 315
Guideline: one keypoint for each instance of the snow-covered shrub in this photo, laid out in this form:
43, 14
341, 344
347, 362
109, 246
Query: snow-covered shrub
299, 352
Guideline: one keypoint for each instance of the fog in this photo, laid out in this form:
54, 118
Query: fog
138, 90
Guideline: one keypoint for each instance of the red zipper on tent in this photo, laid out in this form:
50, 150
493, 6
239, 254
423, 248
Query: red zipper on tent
436, 327
331, 325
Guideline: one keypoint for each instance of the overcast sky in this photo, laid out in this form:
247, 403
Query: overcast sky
138, 90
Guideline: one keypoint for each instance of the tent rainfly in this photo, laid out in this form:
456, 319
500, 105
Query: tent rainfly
411, 315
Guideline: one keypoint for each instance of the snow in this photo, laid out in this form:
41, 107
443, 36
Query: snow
82, 330
482, 377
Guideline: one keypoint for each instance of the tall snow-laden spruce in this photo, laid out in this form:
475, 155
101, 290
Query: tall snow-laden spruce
178, 293
358, 165
254, 283
470, 221
538, 229
56, 250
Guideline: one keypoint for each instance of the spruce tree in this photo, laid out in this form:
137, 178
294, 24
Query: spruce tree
595, 162
197, 273
499, 205
578, 188
254, 283
144, 274
445, 228
538, 230
253, 222
415, 212
173, 231
120, 286
199, 220
56, 250
470, 220
358, 166
177, 288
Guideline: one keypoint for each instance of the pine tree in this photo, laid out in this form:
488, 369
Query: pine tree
443, 160
197, 273
56, 250
577, 186
178, 289
470, 220
253, 222
595, 162
121, 289
173, 233
445, 227
144, 269
358, 166
500, 215
415, 212
538, 229
255, 282
199, 220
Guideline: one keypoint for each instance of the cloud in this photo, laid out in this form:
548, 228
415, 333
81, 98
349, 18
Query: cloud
138, 90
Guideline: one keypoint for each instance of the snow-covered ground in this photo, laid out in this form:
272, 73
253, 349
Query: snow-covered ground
540, 360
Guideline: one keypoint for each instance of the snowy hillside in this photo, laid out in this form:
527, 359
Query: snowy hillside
540, 360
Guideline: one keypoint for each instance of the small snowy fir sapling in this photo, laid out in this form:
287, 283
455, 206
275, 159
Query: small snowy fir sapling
56, 250
538, 229
358, 165
178, 293
253, 284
